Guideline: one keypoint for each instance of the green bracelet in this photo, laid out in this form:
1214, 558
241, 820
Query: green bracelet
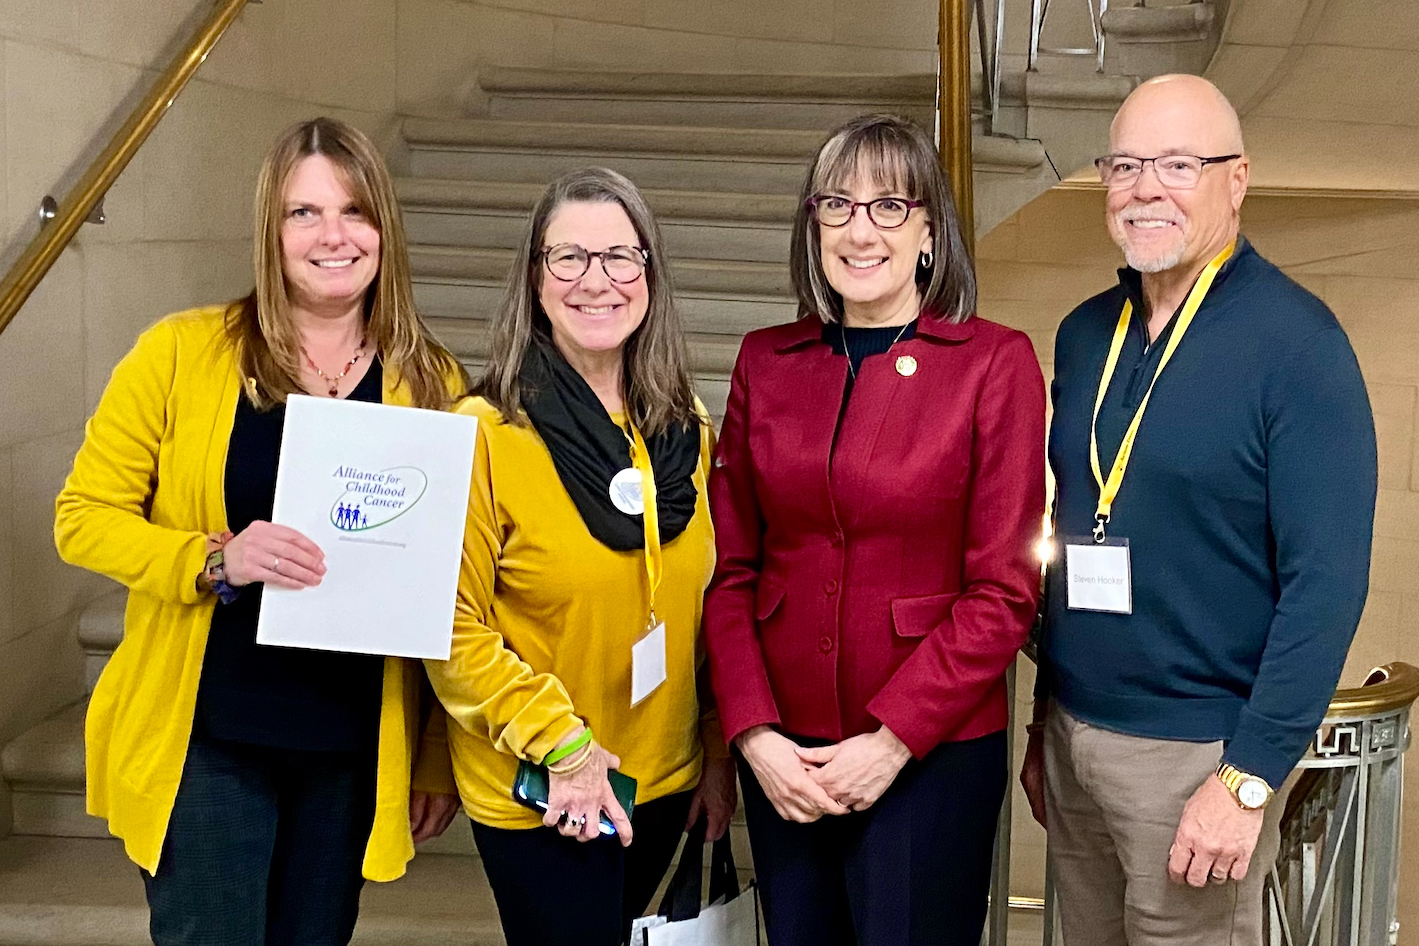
557, 755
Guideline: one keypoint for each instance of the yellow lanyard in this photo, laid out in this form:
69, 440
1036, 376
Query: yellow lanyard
640, 457
1108, 490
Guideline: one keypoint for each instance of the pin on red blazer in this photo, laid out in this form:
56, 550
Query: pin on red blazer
889, 580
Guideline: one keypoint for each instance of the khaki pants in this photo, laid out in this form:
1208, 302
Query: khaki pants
1114, 803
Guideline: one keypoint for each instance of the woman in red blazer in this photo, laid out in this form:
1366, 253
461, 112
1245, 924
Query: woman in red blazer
877, 495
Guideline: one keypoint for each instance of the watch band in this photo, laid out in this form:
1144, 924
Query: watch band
1234, 778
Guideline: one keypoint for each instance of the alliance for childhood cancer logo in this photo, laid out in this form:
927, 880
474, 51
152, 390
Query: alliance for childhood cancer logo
370, 499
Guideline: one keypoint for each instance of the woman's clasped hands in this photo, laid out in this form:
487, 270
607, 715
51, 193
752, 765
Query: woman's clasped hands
806, 783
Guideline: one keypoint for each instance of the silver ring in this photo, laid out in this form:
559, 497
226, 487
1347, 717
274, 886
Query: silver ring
576, 822
276, 566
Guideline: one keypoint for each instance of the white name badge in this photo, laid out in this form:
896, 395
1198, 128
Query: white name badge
1098, 576
648, 664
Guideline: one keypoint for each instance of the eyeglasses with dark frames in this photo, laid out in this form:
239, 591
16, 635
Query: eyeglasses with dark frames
569, 262
886, 213
1178, 171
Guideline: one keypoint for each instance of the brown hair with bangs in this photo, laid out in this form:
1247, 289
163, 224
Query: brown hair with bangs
899, 155
658, 388
260, 325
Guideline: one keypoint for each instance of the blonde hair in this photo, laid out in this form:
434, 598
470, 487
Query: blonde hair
658, 387
260, 325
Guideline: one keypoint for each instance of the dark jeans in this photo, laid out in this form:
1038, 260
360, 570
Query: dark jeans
912, 870
264, 848
554, 891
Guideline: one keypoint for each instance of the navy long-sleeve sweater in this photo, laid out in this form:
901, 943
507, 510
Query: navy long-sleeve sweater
1248, 505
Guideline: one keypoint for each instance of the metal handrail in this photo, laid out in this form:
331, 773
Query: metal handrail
1039, 11
86, 195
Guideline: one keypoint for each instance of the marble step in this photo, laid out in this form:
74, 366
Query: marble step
100, 630
706, 99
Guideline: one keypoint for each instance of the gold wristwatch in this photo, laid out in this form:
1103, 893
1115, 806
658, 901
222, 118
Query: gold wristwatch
1250, 792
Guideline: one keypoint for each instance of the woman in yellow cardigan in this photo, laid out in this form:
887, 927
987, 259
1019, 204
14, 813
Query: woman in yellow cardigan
255, 786
587, 551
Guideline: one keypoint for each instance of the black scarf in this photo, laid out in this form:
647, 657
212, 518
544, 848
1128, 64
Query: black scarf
588, 449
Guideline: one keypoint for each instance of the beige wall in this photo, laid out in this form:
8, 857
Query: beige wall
1362, 258
177, 236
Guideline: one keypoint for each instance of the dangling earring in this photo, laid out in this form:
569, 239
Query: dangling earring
926, 260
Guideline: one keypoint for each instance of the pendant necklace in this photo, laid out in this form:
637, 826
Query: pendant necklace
334, 382
853, 371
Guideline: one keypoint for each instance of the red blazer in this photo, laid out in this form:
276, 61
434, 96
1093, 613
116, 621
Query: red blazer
892, 579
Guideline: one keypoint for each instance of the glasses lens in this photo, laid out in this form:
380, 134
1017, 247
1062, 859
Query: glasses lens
832, 211
567, 261
889, 212
623, 263
1119, 171
1179, 170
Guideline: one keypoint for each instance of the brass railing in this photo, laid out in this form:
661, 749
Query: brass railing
953, 103
76, 206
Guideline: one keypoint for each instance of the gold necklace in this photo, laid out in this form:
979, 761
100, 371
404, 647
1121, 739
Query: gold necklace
335, 381
843, 331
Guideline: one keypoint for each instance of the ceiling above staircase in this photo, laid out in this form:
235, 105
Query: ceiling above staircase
1328, 91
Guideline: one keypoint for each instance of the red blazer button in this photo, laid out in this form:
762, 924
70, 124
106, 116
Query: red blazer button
825, 644
831, 586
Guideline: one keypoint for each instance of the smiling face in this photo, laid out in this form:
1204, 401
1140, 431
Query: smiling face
329, 248
874, 270
1161, 229
591, 315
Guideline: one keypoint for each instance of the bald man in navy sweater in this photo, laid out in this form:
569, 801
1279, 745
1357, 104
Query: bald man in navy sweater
1214, 458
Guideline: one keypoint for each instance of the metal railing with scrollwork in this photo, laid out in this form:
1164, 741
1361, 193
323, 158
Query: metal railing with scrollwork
60, 220
1336, 879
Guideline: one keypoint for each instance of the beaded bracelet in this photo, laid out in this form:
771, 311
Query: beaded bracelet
557, 755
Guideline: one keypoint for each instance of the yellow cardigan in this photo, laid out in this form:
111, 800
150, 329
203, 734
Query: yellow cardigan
146, 489
543, 630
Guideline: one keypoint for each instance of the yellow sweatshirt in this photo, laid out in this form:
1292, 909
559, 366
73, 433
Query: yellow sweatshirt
145, 490
543, 631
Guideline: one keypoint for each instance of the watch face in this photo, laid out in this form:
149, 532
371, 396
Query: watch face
1252, 793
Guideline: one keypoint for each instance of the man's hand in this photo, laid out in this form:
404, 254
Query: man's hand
715, 798
784, 777
1215, 838
859, 769
1032, 777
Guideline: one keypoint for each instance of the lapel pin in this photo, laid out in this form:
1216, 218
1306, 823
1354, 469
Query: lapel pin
906, 366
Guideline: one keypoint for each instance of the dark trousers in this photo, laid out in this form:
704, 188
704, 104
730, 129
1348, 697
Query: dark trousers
264, 848
555, 891
912, 870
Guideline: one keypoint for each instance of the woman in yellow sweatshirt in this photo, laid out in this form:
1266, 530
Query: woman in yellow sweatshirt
588, 548
255, 786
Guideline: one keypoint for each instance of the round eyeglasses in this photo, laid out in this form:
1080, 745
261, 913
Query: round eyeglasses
886, 213
569, 262
1178, 171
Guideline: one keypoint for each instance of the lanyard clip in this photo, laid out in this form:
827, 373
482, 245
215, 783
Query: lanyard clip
1099, 522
